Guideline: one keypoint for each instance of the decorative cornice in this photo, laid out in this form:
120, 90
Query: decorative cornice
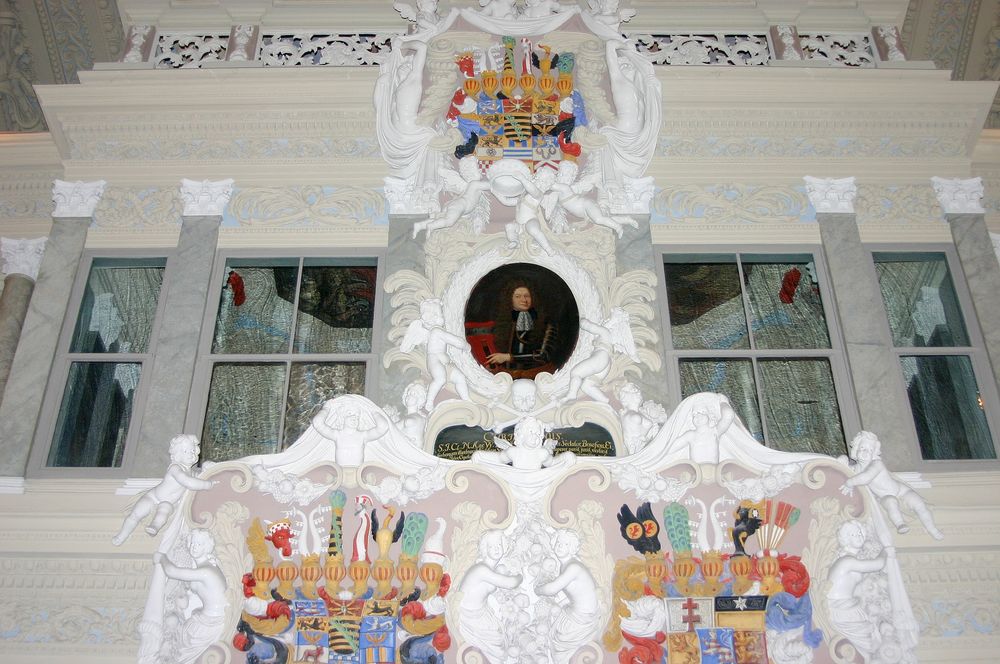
22, 256
206, 198
831, 195
11, 485
957, 195
76, 199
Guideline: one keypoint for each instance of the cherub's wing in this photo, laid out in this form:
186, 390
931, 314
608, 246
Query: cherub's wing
621, 333
453, 182
558, 223
501, 443
550, 444
480, 215
406, 11
589, 177
416, 334
626, 15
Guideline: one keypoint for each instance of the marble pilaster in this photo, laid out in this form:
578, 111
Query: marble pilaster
875, 373
33, 360
982, 274
186, 285
21, 259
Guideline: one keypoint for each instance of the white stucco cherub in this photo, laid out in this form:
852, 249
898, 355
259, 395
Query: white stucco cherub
206, 582
530, 450
865, 459
162, 498
576, 620
640, 420
567, 196
423, 17
526, 198
543, 8
415, 420
702, 440
470, 200
343, 425
614, 334
480, 623
429, 330
497, 8
607, 12
846, 612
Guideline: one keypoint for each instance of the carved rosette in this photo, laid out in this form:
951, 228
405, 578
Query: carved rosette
206, 198
959, 196
831, 195
22, 256
76, 199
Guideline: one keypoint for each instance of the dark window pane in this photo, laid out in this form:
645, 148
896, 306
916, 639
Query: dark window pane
311, 384
94, 416
800, 406
118, 307
243, 414
257, 306
336, 309
946, 406
706, 304
920, 300
785, 306
734, 378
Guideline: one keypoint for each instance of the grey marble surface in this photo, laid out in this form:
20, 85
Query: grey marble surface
14, 302
634, 251
872, 363
982, 274
404, 253
169, 376
25, 391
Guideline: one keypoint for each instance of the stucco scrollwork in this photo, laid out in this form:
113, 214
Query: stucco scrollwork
311, 205
122, 207
19, 110
896, 204
732, 203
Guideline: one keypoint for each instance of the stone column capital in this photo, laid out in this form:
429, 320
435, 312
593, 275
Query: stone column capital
834, 195
206, 198
76, 199
22, 256
958, 196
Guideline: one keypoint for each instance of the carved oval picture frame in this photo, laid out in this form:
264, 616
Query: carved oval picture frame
522, 319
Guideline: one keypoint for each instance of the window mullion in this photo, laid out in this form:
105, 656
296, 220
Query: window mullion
758, 386
748, 319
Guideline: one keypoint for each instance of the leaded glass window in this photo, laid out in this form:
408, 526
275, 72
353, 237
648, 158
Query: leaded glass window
937, 355
754, 326
288, 334
110, 346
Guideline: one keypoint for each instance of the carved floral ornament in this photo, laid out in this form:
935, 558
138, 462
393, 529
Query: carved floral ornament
205, 198
22, 256
76, 199
831, 195
957, 195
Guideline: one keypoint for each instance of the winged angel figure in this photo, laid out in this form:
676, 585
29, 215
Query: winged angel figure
567, 196
614, 334
429, 329
425, 15
470, 200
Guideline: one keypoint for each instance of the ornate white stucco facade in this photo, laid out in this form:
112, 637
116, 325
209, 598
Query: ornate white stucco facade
776, 127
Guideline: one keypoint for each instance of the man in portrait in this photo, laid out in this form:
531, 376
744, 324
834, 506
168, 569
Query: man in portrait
525, 341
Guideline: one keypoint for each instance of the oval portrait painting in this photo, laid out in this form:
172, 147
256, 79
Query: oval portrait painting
522, 319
